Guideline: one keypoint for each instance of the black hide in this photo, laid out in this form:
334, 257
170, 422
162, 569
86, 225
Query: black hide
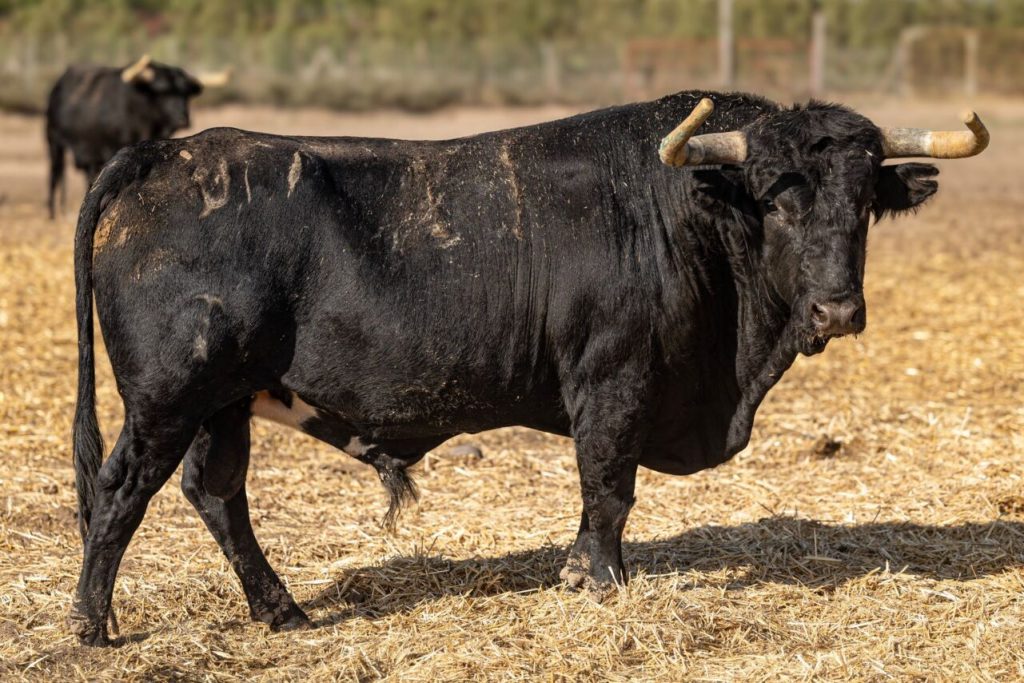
385, 295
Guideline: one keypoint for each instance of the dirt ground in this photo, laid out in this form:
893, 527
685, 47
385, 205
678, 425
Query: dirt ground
873, 530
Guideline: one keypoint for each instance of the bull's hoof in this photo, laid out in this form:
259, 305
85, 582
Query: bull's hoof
90, 632
574, 573
577, 575
95, 639
296, 622
599, 590
284, 617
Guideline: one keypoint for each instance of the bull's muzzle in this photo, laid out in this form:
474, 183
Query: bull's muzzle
838, 318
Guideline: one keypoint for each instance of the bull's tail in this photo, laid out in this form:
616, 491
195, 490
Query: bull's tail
87, 442
397, 482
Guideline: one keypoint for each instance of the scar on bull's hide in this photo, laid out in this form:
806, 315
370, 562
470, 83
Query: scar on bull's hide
184, 154
102, 235
439, 228
248, 192
213, 187
513, 183
150, 264
294, 173
200, 346
199, 349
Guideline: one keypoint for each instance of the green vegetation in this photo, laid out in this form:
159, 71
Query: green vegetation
423, 53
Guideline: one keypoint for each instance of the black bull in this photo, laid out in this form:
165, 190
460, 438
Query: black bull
94, 111
386, 295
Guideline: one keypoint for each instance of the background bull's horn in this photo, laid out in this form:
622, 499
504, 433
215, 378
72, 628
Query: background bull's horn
681, 148
215, 79
135, 70
939, 144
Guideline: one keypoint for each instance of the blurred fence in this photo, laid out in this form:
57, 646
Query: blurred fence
421, 76
945, 59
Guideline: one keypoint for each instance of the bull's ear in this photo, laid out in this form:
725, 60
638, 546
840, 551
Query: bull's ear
903, 187
722, 188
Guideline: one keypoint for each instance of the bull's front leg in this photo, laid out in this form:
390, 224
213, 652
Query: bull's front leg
577, 565
609, 432
607, 485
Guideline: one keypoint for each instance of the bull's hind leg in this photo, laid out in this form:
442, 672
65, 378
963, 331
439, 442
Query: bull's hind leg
147, 452
216, 463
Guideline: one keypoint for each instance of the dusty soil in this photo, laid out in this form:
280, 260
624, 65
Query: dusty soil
874, 529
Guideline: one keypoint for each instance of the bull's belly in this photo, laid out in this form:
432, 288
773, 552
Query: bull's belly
686, 447
291, 411
404, 381
683, 458
396, 429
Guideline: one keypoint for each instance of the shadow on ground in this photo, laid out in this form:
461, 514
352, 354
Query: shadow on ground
772, 550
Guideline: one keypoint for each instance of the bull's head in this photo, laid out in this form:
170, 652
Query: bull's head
812, 177
167, 88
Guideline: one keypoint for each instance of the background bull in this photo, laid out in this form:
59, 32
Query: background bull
642, 309
96, 110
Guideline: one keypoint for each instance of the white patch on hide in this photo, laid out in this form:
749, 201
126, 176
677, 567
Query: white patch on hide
269, 408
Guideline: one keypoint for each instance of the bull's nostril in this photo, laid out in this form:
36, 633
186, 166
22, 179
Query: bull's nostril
859, 318
819, 315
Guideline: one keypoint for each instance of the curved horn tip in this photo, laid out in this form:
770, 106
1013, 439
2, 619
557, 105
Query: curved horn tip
217, 79
937, 144
672, 149
974, 122
977, 127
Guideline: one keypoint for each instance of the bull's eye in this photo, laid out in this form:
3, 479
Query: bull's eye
768, 206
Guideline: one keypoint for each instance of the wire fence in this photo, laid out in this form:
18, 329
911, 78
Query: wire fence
422, 76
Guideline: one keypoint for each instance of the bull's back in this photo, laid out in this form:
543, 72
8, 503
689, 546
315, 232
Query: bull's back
327, 266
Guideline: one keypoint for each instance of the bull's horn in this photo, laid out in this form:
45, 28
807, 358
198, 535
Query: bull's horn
938, 144
681, 147
132, 72
215, 79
